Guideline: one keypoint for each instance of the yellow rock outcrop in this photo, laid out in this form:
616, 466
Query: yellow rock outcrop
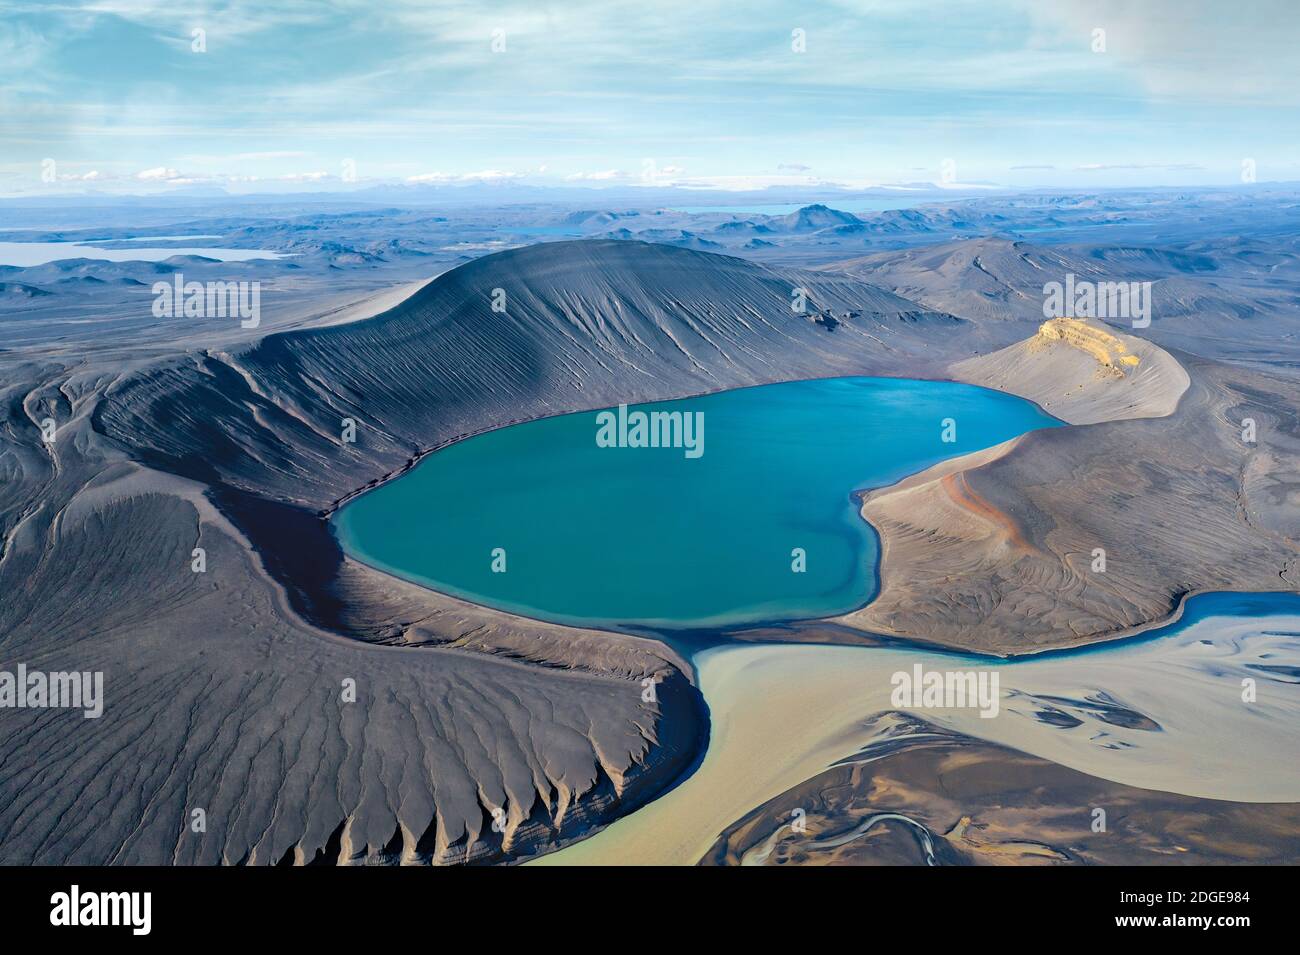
1111, 353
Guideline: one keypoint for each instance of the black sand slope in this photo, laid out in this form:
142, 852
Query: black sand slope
223, 689
476, 735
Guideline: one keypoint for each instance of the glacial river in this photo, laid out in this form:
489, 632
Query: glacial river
782, 713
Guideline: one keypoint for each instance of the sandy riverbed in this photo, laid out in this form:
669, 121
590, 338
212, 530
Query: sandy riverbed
784, 713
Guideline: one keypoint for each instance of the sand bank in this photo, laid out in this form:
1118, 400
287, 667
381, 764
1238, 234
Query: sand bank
784, 713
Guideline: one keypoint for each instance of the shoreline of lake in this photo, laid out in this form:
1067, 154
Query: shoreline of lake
781, 480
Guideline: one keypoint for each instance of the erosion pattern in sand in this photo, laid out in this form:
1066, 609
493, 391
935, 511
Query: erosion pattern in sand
1151, 718
936, 798
223, 688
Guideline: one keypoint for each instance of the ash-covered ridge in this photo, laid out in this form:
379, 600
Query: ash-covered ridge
474, 735
223, 689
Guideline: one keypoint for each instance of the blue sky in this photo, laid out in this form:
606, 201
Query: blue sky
613, 93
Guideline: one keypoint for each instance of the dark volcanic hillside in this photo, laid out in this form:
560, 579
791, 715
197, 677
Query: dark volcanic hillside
223, 688
1240, 300
992, 279
584, 325
475, 734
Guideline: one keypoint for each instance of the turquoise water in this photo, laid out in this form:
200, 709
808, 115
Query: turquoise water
653, 536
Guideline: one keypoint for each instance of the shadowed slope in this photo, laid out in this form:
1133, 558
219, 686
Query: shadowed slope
582, 325
224, 689
585, 325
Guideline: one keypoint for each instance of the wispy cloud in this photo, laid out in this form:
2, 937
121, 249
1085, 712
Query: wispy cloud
604, 175
1102, 167
456, 91
158, 174
486, 175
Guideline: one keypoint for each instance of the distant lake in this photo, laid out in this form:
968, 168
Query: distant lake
651, 536
27, 254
